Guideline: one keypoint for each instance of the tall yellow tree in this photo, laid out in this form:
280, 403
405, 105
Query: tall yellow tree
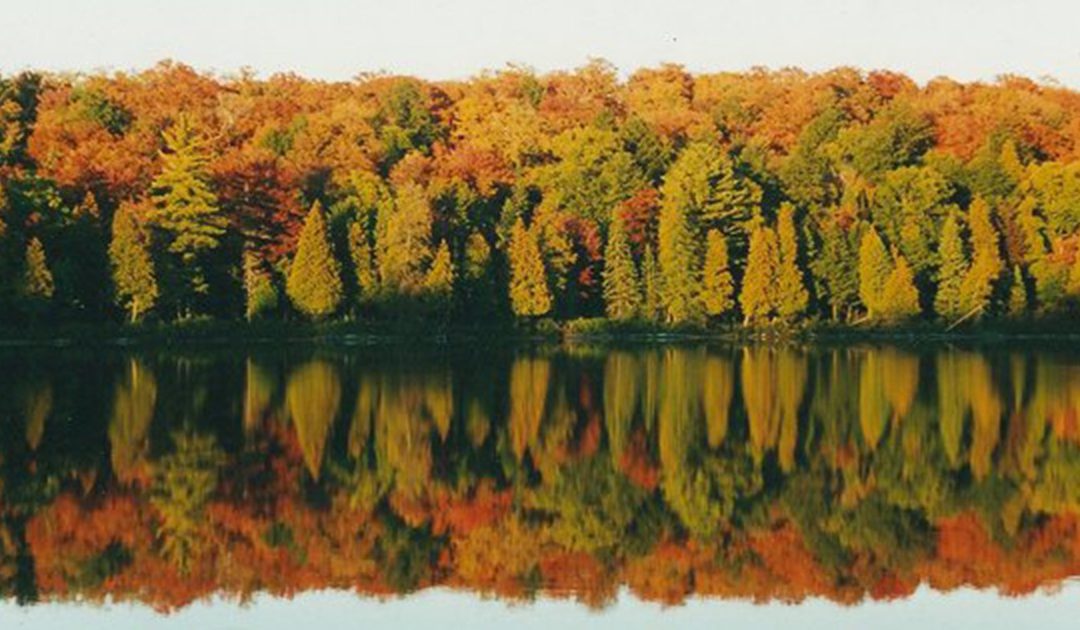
875, 268
758, 297
718, 287
529, 293
792, 296
314, 283
622, 296
134, 281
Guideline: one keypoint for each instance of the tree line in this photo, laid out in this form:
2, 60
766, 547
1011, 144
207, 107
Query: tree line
756, 197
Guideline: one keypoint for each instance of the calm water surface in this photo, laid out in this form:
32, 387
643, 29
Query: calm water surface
540, 485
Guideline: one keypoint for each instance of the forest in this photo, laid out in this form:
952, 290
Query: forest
756, 198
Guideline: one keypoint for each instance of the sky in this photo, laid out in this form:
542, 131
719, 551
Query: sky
442, 608
454, 39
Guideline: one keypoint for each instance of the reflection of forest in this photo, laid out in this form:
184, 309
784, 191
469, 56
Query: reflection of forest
764, 472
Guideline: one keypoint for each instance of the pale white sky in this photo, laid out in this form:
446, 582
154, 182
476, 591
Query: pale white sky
439, 39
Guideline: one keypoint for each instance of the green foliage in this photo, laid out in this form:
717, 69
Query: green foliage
651, 282
899, 296
37, 279
791, 294
363, 261
529, 293
314, 283
184, 482
622, 295
134, 280
405, 246
261, 295
718, 287
951, 272
835, 266
759, 297
875, 268
986, 265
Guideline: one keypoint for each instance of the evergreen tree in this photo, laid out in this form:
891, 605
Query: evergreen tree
363, 261
900, 297
951, 271
439, 282
314, 283
185, 207
37, 279
529, 293
1018, 299
622, 296
836, 269
260, 294
652, 299
986, 264
759, 297
679, 264
875, 268
718, 287
134, 281
792, 296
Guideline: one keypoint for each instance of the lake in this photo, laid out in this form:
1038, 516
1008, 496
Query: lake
261, 486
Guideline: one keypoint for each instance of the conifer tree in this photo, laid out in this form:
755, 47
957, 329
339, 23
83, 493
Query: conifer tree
679, 264
652, 300
405, 251
900, 297
260, 295
37, 279
314, 283
134, 281
1018, 299
875, 268
986, 264
363, 261
759, 298
792, 296
529, 293
951, 271
439, 281
718, 287
185, 207
622, 296
835, 266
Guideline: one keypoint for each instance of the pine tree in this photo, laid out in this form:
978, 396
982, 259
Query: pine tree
835, 266
900, 297
875, 268
37, 279
679, 264
260, 295
1018, 299
439, 281
185, 207
792, 296
134, 281
986, 264
314, 282
718, 287
759, 298
652, 300
363, 261
529, 293
951, 271
622, 296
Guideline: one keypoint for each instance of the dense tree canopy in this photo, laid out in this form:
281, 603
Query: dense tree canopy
972, 184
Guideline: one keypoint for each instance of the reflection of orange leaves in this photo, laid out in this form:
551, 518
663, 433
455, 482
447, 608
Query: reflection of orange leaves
637, 465
796, 572
578, 574
414, 510
461, 515
664, 575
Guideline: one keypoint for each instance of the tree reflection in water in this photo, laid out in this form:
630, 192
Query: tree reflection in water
763, 472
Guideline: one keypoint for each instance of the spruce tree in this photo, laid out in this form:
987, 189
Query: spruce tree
679, 264
758, 297
652, 300
622, 296
1018, 299
185, 208
900, 297
37, 279
792, 296
986, 264
951, 271
875, 268
718, 287
529, 293
314, 283
363, 261
134, 280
